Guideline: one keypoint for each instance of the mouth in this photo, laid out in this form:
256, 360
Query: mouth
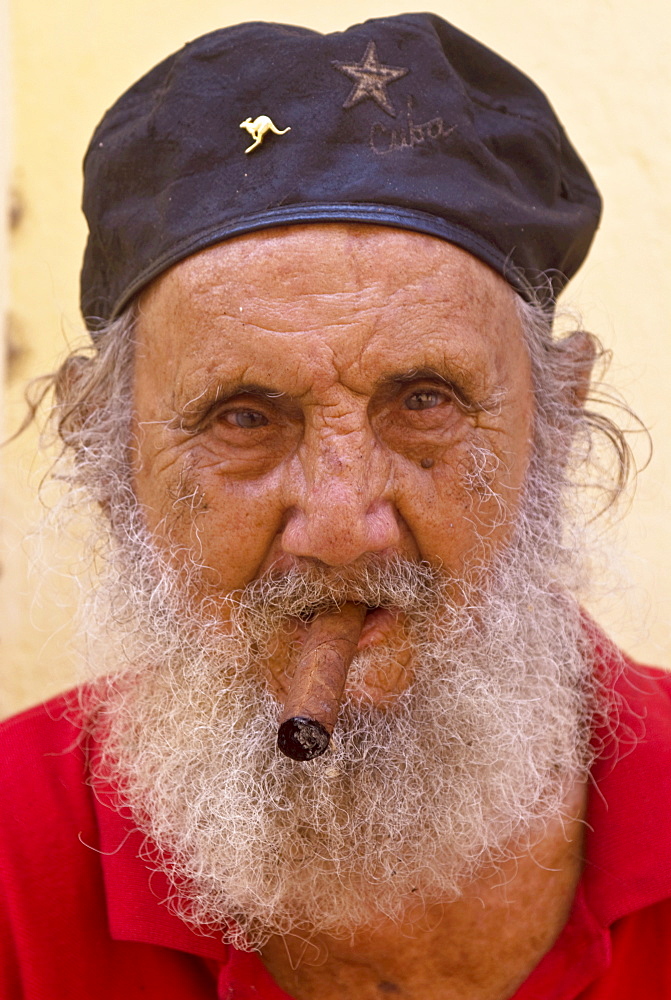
329, 644
382, 627
378, 626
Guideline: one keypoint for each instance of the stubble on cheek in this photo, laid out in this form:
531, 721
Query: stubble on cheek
186, 495
178, 524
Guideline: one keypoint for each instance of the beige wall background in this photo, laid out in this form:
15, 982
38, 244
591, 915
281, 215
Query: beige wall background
605, 65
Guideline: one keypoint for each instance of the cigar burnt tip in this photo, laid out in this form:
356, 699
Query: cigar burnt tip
302, 739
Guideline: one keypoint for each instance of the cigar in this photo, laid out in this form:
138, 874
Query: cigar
313, 701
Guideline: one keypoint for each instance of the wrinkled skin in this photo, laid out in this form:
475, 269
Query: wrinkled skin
318, 393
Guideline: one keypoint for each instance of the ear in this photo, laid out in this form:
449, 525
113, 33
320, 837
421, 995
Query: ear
580, 353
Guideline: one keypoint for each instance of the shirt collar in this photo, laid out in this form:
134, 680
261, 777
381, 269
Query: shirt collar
137, 895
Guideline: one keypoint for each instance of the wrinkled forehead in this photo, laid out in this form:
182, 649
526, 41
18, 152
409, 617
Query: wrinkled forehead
365, 295
321, 258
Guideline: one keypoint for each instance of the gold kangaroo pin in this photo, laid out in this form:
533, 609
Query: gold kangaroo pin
258, 129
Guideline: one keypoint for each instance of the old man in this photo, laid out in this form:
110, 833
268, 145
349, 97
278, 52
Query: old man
324, 388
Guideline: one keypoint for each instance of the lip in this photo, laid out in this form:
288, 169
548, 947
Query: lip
380, 683
378, 626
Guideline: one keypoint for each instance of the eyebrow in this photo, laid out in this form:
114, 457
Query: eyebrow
458, 383
463, 393
218, 393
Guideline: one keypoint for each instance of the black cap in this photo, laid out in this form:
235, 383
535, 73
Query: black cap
401, 121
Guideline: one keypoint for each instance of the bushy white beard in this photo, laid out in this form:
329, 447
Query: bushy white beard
461, 771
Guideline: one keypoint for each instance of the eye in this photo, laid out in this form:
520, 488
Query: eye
246, 419
424, 399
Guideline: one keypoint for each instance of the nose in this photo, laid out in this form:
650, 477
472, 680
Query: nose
342, 509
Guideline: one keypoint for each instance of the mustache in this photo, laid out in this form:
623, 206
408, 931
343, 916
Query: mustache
309, 588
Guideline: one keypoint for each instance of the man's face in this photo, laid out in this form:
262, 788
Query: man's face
323, 414
320, 394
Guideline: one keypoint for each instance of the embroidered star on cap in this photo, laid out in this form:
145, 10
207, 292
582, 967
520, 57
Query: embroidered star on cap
371, 78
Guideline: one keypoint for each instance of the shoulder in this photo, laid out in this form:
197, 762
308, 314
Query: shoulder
42, 726
643, 704
44, 795
50, 879
628, 866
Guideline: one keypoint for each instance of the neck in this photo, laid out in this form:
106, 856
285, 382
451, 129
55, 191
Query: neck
479, 947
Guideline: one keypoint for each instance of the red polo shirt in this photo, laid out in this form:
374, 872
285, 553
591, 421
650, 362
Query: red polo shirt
81, 915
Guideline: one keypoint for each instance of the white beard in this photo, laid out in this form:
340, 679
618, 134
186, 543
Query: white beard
462, 771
